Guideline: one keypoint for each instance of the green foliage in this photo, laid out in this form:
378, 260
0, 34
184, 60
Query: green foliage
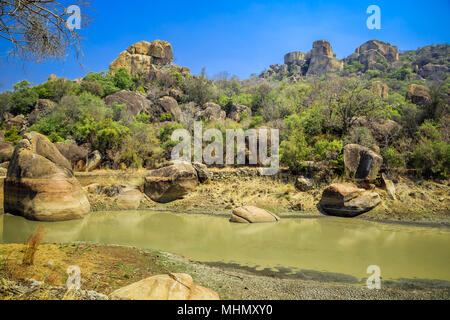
166, 117
144, 118
122, 79
331, 151
106, 81
199, 89
56, 89
402, 74
141, 89
393, 158
294, 150
12, 135
256, 122
432, 157
23, 98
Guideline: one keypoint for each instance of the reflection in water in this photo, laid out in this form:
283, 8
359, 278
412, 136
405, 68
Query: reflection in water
328, 244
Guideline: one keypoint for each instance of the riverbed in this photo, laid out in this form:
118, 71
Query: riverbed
343, 248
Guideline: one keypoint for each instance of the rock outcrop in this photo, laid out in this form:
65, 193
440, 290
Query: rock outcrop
178, 286
372, 54
348, 201
211, 112
170, 106
250, 214
318, 62
171, 182
380, 89
419, 94
40, 184
361, 162
42, 108
6, 151
94, 161
323, 60
237, 112
136, 102
73, 153
148, 60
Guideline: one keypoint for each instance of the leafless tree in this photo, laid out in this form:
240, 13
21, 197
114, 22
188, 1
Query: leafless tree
37, 29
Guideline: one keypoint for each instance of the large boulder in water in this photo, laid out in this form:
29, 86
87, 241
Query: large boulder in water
40, 184
250, 214
361, 162
178, 286
171, 182
348, 201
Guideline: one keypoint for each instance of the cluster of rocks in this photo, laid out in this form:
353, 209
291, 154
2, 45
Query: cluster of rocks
148, 60
318, 61
373, 53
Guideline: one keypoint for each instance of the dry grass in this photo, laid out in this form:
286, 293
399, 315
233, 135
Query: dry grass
32, 245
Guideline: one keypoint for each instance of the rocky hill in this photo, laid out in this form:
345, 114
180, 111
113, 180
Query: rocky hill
427, 63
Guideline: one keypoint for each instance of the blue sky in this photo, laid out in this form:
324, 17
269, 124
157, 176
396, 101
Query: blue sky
238, 36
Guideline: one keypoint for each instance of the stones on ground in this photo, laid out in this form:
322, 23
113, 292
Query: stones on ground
251, 214
171, 182
361, 162
94, 161
348, 201
178, 286
304, 184
40, 184
202, 172
390, 187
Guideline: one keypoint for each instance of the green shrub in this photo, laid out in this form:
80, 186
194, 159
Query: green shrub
12, 135
166, 117
23, 98
432, 157
392, 158
123, 80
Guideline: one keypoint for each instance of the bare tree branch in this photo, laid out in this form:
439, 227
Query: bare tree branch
37, 29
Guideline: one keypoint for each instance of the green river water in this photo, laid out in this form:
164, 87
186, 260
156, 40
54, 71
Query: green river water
329, 245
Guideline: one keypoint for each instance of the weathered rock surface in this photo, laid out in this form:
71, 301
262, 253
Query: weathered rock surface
202, 172
40, 184
129, 199
178, 286
211, 112
42, 108
419, 94
361, 162
237, 111
72, 152
379, 88
348, 201
323, 60
434, 71
170, 106
136, 102
372, 52
6, 151
94, 161
171, 182
250, 214
148, 60
304, 184
390, 187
